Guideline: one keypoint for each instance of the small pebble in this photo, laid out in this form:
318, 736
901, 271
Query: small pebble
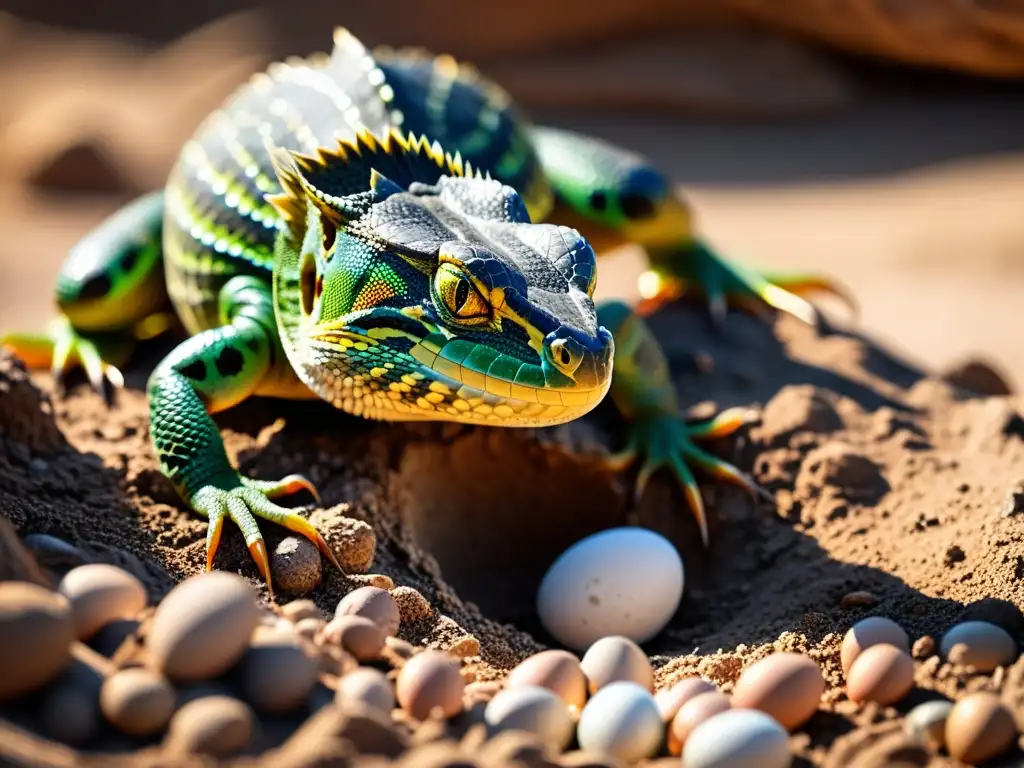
295, 565
430, 680
614, 659
464, 647
882, 673
670, 700
99, 594
923, 648
979, 727
137, 701
370, 686
358, 635
412, 606
534, 709
621, 720
219, 726
857, 599
297, 610
275, 674
787, 686
375, 604
556, 670
403, 649
112, 636
926, 723
36, 632
70, 706
622, 581
203, 626
978, 644
739, 738
868, 632
694, 712
309, 628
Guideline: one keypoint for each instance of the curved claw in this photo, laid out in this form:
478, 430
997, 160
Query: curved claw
246, 501
677, 271
59, 349
667, 443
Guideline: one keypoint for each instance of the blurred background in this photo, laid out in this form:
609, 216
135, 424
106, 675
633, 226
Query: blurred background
879, 141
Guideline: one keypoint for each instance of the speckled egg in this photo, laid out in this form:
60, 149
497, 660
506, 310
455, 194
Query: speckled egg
738, 738
623, 721
788, 686
533, 709
623, 581
978, 644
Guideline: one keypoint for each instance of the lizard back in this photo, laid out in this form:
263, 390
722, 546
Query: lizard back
217, 222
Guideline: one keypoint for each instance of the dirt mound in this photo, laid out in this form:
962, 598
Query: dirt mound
897, 494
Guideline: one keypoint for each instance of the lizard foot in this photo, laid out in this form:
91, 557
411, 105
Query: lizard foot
60, 348
663, 441
694, 267
243, 500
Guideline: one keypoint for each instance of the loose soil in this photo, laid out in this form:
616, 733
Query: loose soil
897, 493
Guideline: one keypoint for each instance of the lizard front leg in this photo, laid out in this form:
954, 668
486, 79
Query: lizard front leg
614, 197
643, 392
208, 373
110, 294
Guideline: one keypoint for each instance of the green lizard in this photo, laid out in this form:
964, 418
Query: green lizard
365, 227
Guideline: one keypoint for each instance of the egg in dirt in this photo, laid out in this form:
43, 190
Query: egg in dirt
622, 581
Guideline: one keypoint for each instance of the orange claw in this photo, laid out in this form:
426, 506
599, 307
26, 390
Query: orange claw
303, 527
213, 540
294, 484
258, 550
696, 504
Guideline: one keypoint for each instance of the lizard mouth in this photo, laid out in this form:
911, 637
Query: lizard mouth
453, 380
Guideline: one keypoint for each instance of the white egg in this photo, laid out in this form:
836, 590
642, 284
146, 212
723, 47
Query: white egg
623, 721
738, 738
623, 581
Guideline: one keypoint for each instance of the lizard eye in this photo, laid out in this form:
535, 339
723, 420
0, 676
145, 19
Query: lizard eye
458, 294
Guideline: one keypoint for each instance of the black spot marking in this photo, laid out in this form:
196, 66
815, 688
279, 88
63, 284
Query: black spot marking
229, 362
173, 462
598, 200
637, 206
95, 287
253, 343
196, 370
129, 260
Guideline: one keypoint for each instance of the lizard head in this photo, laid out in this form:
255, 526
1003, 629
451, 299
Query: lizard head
407, 286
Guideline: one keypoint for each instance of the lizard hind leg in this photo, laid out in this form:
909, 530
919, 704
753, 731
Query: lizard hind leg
211, 372
644, 394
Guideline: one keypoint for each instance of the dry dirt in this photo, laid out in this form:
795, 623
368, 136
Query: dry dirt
888, 482
893, 483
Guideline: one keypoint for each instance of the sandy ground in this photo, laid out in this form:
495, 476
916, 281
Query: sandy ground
887, 479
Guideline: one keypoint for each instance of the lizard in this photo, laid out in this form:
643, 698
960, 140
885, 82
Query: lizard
387, 230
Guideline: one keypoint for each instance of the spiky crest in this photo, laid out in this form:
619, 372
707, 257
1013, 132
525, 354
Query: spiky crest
354, 166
